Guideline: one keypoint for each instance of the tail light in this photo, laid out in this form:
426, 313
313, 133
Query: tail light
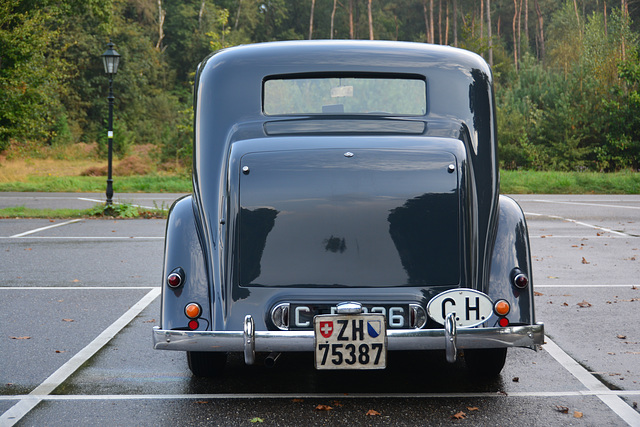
519, 279
176, 278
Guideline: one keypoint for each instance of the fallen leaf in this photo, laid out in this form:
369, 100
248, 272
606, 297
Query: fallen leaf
149, 321
564, 304
562, 409
373, 413
75, 280
538, 294
584, 261
459, 416
336, 403
28, 249
622, 337
256, 420
516, 379
202, 402
60, 351
577, 414
67, 320
298, 400
20, 338
472, 408
323, 408
584, 304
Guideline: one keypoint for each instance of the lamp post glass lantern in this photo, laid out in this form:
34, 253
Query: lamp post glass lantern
111, 60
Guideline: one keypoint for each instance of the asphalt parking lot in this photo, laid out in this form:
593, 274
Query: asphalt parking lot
78, 300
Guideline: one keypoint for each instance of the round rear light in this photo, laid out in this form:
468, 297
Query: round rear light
193, 325
175, 278
193, 310
521, 281
504, 322
501, 307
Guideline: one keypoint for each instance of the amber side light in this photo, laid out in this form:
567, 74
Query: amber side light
502, 308
192, 310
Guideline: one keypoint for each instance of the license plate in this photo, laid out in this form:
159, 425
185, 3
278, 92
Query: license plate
350, 341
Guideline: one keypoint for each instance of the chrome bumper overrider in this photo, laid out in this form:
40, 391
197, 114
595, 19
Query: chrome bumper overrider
251, 341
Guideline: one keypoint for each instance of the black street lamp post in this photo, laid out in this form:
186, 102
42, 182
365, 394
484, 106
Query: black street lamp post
111, 59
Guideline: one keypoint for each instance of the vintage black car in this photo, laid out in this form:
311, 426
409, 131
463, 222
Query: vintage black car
346, 203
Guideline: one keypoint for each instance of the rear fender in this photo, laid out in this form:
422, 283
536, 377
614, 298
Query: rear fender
511, 251
183, 249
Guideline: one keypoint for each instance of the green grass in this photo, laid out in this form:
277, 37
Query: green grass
123, 210
90, 184
532, 182
511, 182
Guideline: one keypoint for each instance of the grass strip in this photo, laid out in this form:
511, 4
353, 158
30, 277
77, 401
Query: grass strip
534, 182
122, 211
91, 184
511, 182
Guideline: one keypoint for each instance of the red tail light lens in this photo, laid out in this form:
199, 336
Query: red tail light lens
175, 278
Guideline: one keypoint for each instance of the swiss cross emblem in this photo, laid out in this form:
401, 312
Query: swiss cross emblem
326, 328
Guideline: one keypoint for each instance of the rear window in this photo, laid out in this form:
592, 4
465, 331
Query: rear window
345, 95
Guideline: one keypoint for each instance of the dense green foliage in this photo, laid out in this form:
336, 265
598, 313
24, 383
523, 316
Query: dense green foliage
567, 72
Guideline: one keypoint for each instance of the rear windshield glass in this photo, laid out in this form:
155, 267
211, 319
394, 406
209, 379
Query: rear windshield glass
345, 95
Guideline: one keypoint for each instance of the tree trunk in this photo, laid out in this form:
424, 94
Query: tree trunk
370, 20
439, 21
540, 36
333, 16
351, 35
515, 34
161, 15
426, 20
526, 23
455, 23
446, 27
313, 6
520, 29
481, 18
489, 36
606, 32
200, 14
235, 27
432, 38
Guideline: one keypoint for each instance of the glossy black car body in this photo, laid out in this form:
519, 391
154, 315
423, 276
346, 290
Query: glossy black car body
295, 211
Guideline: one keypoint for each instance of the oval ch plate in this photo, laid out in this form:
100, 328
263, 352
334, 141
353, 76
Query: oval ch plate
471, 307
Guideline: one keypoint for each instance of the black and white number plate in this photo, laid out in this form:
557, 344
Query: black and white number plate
350, 341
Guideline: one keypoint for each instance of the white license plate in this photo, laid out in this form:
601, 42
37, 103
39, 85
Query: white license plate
350, 341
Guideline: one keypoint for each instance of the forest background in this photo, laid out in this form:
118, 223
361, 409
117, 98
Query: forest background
567, 73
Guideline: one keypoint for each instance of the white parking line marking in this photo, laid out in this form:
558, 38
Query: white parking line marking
586, 286
84, 238
241, 396
584, 224
37, 230
74, 288
617, 405
117, 203
583, 204
28, 402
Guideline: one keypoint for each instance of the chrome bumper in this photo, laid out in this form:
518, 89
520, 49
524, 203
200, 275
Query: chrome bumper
251, 341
